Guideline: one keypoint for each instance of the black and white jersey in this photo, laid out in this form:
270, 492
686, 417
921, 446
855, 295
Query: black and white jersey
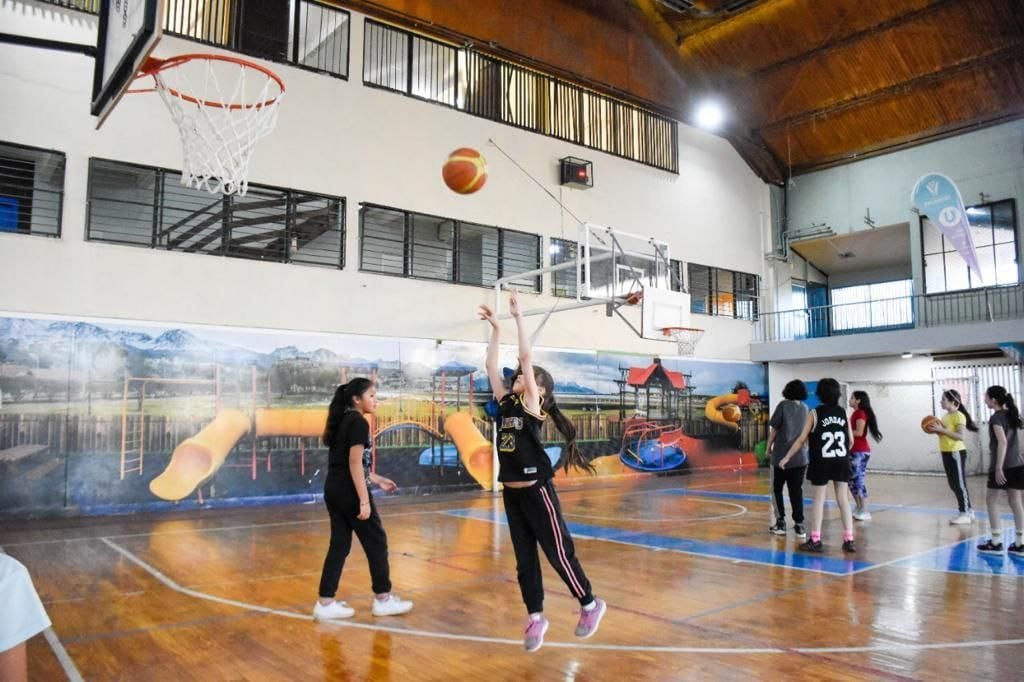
830, 437
521, 455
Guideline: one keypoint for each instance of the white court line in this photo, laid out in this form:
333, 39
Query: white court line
887, 646
50, 635
741, 512
897, 560
62, 655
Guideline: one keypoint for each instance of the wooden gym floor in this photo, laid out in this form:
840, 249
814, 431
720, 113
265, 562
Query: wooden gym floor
696, 588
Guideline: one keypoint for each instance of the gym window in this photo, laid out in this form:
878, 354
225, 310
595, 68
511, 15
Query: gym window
563, 282
303, 33
885, 305
149, 207
31, 190
498, 90
715, 291
417, 245
994, 231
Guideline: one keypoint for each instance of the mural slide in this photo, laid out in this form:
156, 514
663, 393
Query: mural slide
199, 457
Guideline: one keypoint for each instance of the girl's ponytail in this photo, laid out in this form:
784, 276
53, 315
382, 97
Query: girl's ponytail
953, 396
1012, 413
571, 456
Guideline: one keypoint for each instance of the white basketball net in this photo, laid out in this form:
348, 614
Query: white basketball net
219, 122
686, 339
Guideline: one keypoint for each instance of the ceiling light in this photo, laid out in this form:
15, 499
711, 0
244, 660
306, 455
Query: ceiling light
907, 356
710, 115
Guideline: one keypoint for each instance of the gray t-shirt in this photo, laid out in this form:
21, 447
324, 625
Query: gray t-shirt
1013, 454
788, 421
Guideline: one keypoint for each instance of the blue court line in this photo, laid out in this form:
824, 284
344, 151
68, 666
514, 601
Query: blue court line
752, 497
963, 557
714, 550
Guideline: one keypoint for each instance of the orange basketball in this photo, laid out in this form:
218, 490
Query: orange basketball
927, 422
731, 413
465, 171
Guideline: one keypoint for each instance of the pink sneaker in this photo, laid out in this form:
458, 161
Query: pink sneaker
590, 620
535, 629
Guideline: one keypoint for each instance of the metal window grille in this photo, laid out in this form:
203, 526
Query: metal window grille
563, 282
499, 90
477, 254
143, 206
31, 190
305, 33
714, 291
408, 244
91, 6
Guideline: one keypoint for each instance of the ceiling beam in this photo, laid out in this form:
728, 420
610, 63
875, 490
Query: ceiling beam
747, 142
864, 34
926, 137
1001, 56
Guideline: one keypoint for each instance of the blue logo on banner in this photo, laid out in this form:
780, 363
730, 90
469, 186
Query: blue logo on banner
937, 197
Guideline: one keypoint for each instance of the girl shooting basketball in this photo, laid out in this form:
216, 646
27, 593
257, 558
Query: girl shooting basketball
531, 504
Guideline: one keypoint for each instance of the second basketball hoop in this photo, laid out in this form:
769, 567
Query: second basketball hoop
222, 106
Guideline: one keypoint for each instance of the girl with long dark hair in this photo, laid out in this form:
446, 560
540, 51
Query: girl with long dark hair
1005, 471
862, 422
954, 452
348, 500
531, 504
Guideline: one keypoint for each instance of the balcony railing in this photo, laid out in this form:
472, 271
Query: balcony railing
907, 312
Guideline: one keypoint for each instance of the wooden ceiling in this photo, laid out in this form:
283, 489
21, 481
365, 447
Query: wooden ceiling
807, 83
811, 83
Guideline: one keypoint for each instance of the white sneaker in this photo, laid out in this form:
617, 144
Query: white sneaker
964, 519
333, 611
392, 606
862, 515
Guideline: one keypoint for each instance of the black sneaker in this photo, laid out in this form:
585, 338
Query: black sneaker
799, 530
991, 547
779, 528
1016, 550
811, 546
848, 546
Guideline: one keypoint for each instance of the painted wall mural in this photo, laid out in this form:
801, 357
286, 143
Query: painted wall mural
109, 416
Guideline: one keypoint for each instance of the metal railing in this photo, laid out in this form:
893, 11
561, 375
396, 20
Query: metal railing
907, 312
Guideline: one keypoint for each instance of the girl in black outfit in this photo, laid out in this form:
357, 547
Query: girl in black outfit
531, 504
347, 495
827, 433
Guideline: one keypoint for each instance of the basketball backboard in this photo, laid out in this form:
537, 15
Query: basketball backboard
128, 32
632, 275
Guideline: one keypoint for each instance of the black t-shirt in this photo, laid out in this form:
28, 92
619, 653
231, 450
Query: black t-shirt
830, 437
521, 455
353, 430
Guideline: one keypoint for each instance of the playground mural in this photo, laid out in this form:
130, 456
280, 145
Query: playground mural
109, 416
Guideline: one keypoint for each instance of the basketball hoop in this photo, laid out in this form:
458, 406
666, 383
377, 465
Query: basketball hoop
222, 107
686, 338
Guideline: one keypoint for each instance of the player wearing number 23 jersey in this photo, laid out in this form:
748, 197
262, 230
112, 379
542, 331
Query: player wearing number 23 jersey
829, 443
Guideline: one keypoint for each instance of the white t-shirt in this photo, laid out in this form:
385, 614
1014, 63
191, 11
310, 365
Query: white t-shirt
23, 612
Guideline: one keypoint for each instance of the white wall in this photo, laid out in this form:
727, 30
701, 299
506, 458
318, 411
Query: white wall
990, 160
902, 393
337, 137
